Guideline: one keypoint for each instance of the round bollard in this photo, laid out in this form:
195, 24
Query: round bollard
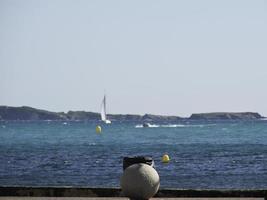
140, 181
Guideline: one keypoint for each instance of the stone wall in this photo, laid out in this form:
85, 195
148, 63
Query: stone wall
116, 192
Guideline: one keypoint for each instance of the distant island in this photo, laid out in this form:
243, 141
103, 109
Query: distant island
29, 113
226, 115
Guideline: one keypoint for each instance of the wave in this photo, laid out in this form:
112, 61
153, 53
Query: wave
174, 125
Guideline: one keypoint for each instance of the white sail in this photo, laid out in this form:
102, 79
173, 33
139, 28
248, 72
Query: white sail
103, 111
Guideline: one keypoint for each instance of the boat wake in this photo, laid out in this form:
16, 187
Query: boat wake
173, 125
148, 126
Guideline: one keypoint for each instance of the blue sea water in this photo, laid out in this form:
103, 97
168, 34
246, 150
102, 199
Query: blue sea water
204, 154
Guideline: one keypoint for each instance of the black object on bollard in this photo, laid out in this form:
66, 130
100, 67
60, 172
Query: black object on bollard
128, 161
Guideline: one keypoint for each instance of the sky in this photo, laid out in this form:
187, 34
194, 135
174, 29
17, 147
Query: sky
160, 57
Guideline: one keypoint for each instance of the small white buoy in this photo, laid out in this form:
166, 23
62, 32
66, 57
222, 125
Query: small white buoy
98, 129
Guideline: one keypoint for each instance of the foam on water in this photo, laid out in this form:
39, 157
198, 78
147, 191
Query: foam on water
174, 125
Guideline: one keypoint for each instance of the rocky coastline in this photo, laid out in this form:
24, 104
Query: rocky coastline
29, 113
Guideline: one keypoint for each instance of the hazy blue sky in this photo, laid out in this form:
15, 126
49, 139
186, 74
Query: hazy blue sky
160, 57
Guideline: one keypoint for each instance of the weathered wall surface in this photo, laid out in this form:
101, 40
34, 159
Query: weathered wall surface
116, 192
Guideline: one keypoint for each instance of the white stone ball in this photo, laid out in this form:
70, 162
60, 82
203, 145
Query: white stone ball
140, 181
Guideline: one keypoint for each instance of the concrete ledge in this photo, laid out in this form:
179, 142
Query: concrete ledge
59, 192
116, 192
211, 193
120, 198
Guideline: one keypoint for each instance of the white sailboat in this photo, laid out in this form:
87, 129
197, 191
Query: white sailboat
104, 112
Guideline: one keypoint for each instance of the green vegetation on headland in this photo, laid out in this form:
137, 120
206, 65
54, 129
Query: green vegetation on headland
28, 113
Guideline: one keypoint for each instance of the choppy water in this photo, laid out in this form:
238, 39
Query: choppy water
210, 155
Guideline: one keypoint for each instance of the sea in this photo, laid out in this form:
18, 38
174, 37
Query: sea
227, 154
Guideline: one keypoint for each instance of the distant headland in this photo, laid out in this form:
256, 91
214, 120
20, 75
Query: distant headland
29, 113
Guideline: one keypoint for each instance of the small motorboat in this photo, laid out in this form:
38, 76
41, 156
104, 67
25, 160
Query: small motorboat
145, 125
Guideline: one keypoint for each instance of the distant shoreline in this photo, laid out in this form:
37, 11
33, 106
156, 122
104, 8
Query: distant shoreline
29, 113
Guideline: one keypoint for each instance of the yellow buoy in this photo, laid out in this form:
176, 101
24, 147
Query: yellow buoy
165, 158
98, 129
